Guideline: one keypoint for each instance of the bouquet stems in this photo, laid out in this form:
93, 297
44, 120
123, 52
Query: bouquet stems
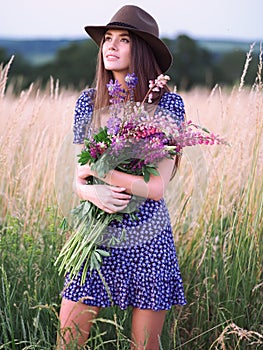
82, 248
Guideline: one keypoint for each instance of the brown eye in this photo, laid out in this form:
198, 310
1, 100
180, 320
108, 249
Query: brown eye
125, 40
107, 38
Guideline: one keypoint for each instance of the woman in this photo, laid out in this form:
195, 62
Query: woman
145, 274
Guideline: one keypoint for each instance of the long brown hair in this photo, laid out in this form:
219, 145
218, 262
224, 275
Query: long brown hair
145, 67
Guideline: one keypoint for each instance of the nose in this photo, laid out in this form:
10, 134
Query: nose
113, 44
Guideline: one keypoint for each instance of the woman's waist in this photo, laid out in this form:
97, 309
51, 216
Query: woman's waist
142, 211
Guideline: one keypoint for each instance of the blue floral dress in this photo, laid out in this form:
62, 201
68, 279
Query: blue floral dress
142, 271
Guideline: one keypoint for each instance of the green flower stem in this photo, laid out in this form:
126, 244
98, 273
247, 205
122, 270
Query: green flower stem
81, 248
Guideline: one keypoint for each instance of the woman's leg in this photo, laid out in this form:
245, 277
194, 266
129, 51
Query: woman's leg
75, 323
147, 327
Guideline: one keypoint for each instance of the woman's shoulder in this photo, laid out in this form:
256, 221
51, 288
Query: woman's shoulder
172, 104
86, 96
171, 99
84, 104
83, 115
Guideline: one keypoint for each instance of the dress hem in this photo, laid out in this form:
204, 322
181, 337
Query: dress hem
134, 305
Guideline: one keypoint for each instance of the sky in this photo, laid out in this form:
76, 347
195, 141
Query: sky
57, 19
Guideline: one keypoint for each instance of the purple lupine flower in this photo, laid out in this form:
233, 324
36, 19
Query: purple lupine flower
131, 80
117, 96
115, 91
113, 125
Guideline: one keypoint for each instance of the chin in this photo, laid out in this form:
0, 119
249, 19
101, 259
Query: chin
112, 67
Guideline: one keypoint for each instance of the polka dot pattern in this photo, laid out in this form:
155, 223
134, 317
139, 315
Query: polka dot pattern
145, 276
143, 270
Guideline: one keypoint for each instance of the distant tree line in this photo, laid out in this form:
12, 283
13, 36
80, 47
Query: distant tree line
74, 66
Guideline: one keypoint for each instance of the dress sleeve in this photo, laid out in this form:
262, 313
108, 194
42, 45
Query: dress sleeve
83, 116
172, 104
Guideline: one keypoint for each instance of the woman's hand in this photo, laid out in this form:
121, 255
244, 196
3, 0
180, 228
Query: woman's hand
111, 199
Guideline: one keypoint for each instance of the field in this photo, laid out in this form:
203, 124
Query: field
215, 202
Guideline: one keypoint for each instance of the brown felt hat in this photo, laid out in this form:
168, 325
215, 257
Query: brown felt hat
137, 21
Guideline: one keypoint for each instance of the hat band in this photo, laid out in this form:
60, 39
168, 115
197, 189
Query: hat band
120, 24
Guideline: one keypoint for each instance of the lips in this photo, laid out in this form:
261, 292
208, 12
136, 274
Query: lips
111, 56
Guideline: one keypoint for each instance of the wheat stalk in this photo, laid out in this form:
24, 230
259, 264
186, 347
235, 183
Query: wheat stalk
246, 65
4, 76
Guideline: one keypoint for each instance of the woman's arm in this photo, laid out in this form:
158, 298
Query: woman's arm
111, 199
154, 189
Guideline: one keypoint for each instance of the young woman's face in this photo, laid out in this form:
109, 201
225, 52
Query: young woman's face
116, 51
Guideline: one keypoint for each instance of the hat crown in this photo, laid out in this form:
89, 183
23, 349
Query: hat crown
135, 17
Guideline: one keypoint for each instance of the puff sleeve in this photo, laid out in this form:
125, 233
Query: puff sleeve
172, 104
83, 116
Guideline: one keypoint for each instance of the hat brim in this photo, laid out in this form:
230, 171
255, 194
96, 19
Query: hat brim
160, 50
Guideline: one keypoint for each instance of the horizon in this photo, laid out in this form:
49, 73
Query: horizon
80, 38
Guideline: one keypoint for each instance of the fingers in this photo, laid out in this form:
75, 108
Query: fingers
114, 208
108, 198
118, 192
124, 196
115, 204
116, 189
119, 202
111, 208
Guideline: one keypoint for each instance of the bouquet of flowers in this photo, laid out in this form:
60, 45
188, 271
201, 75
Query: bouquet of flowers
133, 141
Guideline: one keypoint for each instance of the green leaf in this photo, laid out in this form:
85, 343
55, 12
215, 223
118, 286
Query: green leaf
147, 170
86, 208
123, 235
94, 264
205, 130
103, 252
64, 224
85, 158
150, 166
146, 176
153, 171
98, 256
102, 135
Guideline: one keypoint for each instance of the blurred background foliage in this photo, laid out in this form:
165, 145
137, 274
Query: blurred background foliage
74, 63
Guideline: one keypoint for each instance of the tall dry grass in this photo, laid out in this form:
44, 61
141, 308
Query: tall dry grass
215, 202
33, 128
